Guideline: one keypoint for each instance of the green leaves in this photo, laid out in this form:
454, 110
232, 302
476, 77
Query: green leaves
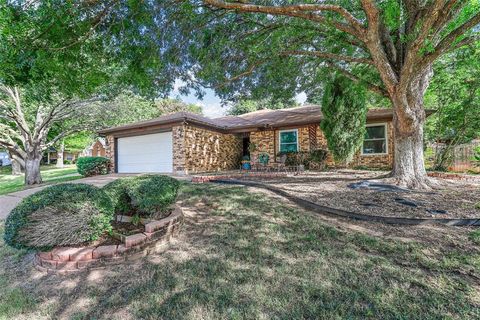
344, 111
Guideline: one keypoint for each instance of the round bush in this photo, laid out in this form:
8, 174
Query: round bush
60, 215
93, 166
144, 195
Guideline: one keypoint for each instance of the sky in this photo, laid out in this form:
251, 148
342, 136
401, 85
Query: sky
211, 104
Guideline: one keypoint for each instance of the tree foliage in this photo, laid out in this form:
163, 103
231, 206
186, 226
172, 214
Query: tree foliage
344, 111
455, 95
247, 105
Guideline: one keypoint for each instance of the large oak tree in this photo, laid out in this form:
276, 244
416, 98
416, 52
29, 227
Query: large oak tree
257, 47
56, 58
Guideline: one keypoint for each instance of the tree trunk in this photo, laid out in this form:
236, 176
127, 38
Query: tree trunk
409, 167
32, 169
408, 120
16, 167
60, 155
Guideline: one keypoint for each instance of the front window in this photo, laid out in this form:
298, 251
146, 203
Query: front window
375, 141
288, 140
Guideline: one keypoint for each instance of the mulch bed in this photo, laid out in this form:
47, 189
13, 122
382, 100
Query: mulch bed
127, 228
452, 199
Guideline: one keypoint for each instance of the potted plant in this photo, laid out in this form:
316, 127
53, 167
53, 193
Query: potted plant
263, 158
246, 163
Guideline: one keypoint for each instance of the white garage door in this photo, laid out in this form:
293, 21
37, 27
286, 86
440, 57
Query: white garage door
147, 153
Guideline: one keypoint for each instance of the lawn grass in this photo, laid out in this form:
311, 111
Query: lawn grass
50, 174
244, 255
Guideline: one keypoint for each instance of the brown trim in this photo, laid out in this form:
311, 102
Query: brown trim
115, 152
142, 132
275, 145
149, 129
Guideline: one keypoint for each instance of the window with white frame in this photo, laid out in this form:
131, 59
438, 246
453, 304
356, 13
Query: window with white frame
375, 141
288, 140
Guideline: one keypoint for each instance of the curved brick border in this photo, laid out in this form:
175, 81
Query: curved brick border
157, 234
353, 215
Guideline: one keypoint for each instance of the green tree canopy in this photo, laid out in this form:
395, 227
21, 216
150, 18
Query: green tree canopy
248, 105
455, 95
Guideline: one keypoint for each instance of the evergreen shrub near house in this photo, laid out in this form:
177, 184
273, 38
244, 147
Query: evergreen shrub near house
93, 166
144, 195
60, 215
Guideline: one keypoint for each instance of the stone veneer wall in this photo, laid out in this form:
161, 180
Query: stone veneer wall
110, 151
202, 150
268, 141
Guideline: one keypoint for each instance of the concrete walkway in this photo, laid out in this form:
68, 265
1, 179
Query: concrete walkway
9, 201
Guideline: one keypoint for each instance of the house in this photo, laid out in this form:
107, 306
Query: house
96, 149
185, 143
68, 155
4, 159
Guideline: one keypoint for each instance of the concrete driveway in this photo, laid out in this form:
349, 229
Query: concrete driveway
9, 201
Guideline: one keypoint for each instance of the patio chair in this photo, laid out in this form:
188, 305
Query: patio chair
280, 164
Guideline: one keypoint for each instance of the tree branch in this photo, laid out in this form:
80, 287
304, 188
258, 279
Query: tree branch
374, 88
327, 56
450, 39
249, 71
305, 11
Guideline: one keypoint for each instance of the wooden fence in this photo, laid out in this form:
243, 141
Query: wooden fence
463, 158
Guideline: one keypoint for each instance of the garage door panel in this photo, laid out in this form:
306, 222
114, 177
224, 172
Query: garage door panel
146, 153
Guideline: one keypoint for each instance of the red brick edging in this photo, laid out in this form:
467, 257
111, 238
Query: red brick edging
208, 178
157, 234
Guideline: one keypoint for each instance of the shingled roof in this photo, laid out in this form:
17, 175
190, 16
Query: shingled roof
253, 120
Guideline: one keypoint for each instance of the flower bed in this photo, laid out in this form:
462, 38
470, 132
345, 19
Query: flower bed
155, 236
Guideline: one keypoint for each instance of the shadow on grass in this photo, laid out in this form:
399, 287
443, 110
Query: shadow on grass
244, 255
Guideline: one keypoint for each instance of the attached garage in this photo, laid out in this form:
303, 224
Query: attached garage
145, 153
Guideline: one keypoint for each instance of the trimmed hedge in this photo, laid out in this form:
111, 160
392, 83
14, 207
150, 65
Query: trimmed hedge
145, 195
60, 215
93, 166
121, 200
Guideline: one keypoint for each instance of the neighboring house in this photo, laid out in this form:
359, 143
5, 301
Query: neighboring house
4, 159
188, 143
96, 149
52, 154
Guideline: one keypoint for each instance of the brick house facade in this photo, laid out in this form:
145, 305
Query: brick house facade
199, 144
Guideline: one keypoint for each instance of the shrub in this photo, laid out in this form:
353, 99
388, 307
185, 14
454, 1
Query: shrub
60, 215
92, 166
317, 159
117, 191
145, 195
314, 159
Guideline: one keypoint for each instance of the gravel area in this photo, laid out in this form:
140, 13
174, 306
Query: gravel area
452, 199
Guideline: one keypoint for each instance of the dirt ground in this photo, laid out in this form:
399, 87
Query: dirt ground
451, 199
